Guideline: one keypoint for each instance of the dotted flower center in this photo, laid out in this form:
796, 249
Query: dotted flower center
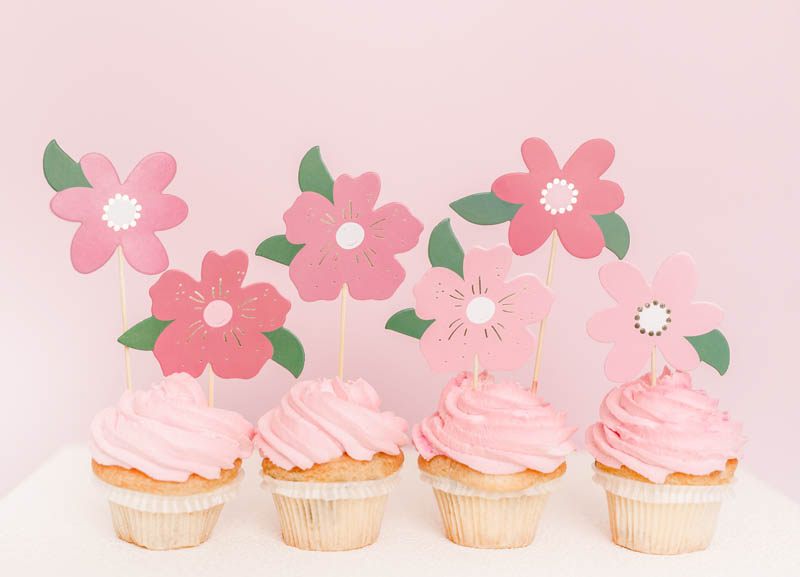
350, 235
121, 212
480, 310
652, 318
559, 196
217, 313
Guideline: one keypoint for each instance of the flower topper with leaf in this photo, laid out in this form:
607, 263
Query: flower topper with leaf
337, 242
658, 317
467, 312
571, 203
115, 216
218, 322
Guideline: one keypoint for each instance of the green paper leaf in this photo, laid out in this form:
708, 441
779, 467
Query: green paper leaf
60, 170
407, 322
279, 249
142, 336
287, 350
485, 208
444, 249
314, 176
713, 349
615, 232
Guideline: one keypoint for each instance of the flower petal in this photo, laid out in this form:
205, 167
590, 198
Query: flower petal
92, 246
223, 274
239, 354
518, 187
525, 299
152, 175
625, 283
311, 220
259, 307
161, 212
442, 355
678, 352
391, 228
177, 295
675, 282
539, 158
440, 294
79, 205
502, 348
600, 197
580, 235
529, 229
626, 360
181, 348
696, 319
589, 161
317, 273
354, 197
370, 274
99, 171
491, 266
144, 251
610, 325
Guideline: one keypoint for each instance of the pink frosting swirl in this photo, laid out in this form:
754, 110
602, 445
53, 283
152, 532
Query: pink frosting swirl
318, 421
499, 428
663, 429
169, 432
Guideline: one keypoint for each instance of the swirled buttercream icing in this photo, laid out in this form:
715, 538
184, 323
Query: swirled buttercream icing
498, 428
320, 420
663, 429
168, 432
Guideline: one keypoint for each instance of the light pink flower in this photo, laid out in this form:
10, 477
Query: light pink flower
661, 316
481, 313
561, 199
349, 241
128, 214
216, 320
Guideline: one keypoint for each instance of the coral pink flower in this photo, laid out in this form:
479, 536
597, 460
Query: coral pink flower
349, 241
128, 214
560, 199
216, 320
645, 317
480, 314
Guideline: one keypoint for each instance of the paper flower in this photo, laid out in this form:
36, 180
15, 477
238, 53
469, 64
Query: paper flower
127, 214
216, 320
349, 241
661, 316
481, 313
560, 199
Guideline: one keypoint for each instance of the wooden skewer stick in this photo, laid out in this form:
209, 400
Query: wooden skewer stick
475, 369
653, 367
123, 301
210, 386
343, 318
548, 281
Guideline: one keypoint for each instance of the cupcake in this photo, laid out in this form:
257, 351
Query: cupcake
331, 458
666, 457
169, 462
492, 454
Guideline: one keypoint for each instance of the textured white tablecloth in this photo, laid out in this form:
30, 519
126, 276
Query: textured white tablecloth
56, 523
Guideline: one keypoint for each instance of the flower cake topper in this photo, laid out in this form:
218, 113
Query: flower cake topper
659, 316
336, 237
216, 321
113, 213
466, 308
572, 201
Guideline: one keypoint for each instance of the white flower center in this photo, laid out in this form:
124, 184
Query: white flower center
652, 318
350, 235
559, 196
480, 310
121, 212
217, 313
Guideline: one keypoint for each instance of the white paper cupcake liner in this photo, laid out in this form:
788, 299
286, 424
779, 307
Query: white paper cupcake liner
661, 493
454, 487
150, 503
330, 491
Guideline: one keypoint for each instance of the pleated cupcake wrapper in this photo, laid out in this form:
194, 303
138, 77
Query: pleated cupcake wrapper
151, 503
661, 493
330, 491
454, 487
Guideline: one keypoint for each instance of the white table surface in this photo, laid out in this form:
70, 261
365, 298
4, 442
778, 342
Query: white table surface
57, 523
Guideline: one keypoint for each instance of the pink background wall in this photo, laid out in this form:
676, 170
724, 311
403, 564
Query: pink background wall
700, 100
